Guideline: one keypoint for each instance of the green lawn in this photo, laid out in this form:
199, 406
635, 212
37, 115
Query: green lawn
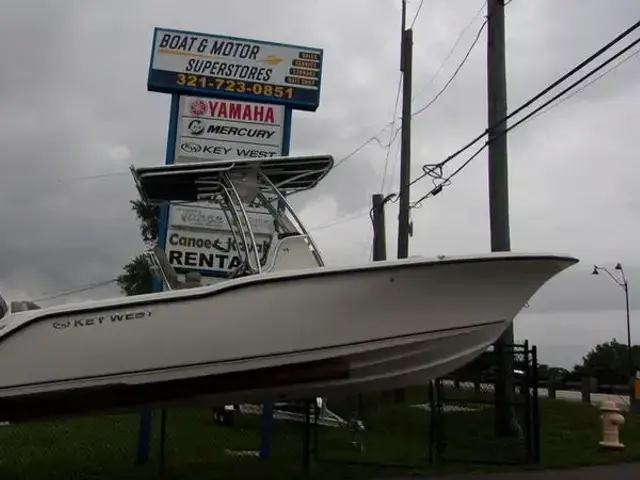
104, 447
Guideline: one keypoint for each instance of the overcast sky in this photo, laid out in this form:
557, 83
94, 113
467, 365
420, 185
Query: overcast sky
73, 103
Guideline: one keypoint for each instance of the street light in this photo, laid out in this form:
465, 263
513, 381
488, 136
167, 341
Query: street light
622, 283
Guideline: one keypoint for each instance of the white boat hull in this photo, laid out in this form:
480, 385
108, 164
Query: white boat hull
290, 335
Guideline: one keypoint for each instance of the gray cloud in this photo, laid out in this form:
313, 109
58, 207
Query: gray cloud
74, 102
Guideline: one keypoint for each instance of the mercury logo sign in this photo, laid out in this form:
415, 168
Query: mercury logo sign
196, 127
198, 107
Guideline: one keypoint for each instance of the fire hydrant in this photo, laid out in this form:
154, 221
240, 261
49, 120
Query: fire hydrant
612, 419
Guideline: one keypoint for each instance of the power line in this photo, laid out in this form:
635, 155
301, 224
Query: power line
339, 220
571, 72
92, 177
395, 170
415, 17
438, 188
455, 73
455, 44
365, 143
391, 135
84, 288
394, 133
453, 48
585, 86
576, 83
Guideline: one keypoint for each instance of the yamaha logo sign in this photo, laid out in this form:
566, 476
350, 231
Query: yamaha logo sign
198, 107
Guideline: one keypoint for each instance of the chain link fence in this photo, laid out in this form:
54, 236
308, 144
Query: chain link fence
467, 424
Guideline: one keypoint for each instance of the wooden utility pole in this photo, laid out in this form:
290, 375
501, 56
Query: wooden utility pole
404, 225
379, 253
499, 195
379, 229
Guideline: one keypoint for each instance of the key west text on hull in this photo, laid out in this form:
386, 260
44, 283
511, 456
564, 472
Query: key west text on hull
295, 334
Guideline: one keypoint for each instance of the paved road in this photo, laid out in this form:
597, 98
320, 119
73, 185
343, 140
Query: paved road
624, 471
596, 398
576, 396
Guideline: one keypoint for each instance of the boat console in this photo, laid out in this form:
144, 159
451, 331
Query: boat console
162, 270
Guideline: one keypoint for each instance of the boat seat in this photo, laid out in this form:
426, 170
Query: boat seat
24, 306
291, 253
161, 269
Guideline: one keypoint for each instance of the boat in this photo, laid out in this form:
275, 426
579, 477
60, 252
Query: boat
283, 326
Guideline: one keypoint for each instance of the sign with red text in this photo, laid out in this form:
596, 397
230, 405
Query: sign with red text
213, 129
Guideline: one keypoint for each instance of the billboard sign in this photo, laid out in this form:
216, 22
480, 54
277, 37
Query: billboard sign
207, 251
210, 129
193, 63
195, 217
213, 129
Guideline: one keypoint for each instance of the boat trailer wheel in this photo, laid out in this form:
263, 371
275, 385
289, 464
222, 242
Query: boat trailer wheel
223, 416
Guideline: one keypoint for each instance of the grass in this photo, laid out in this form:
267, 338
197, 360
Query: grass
105, 447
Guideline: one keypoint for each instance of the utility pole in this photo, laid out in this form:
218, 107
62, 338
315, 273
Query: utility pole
406, 67
379, 229
499, 195
379, 254
404, 224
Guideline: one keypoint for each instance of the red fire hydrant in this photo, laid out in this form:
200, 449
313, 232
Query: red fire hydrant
612, 420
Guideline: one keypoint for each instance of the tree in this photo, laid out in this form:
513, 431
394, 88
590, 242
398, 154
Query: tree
147, 220
136, 278
608, 362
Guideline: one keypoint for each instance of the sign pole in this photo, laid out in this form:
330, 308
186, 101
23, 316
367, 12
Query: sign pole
144, 429
266, 424
231, 83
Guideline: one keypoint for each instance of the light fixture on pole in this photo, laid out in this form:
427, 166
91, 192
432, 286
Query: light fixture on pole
622, 283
